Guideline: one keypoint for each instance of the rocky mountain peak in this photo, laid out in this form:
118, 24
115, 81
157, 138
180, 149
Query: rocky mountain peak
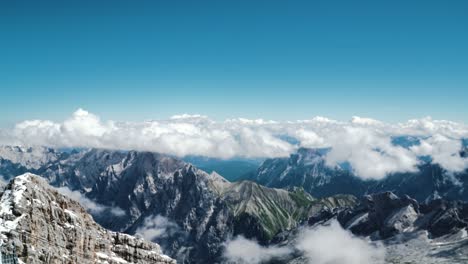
44, 226
29, 157
384, 215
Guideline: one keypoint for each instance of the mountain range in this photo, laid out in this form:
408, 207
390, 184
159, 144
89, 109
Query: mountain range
204, 209
192, 214
307, 168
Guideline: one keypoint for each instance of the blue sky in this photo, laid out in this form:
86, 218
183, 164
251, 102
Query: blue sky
136, 60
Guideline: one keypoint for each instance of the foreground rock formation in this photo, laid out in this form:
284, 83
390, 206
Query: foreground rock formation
43, 226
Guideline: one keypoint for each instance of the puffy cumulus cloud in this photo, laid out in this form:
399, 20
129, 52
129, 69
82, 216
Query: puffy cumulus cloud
333, 244
323, 244
427, 126
82, 129
158, 226
244, 251
91, 206
366, 144
181, 135
444, 151
308, 138
370, 153
365, 121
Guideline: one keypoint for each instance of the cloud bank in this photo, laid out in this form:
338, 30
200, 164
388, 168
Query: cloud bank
366, 144
319, 245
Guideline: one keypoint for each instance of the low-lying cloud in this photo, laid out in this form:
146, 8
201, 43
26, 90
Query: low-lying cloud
366, 144
318, 245
333, 244
88, 204
154, 227
244, 251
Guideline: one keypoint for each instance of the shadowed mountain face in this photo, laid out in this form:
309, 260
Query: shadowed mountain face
307, 169
201, 210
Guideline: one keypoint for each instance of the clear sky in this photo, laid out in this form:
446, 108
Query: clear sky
285, 60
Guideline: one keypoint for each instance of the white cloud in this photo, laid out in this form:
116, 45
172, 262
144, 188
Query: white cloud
157, 227
363, 142
370, 153
244, 251
309, 139
181, 135
444, 151
365, 121
327, 244
188, 116
88, 204
117, 211
332, 244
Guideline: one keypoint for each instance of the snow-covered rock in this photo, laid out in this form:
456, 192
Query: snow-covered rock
42, 225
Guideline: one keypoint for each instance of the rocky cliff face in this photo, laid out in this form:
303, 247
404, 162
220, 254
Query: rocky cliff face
434, 231
384, 215
43, 226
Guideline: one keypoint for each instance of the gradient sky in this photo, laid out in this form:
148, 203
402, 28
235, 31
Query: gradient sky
136, 60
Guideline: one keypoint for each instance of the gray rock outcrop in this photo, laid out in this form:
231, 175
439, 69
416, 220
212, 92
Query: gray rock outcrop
43, 226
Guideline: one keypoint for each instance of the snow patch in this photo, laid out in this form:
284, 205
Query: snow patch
12, 198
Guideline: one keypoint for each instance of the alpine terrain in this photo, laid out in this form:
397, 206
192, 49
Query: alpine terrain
307, 169
43, 226
193, 212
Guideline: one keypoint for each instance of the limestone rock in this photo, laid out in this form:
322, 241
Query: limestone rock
42, 225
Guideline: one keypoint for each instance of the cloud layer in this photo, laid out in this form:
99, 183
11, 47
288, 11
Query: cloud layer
363, 142
91, 206
319, 245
